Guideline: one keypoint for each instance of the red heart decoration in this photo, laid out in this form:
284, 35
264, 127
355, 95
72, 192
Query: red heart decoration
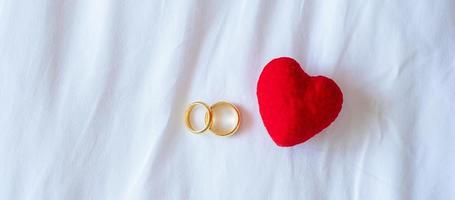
293, 105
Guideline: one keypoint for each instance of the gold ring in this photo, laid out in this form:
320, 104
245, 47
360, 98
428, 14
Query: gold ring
221, 132
208, 117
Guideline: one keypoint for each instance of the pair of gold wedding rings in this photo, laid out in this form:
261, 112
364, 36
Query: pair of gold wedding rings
211, 122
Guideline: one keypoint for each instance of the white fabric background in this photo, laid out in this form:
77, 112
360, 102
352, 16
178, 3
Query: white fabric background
92, 95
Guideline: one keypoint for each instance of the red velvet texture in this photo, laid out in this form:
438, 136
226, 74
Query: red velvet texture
293, 105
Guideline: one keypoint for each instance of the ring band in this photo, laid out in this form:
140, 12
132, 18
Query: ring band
208, 116
221, 132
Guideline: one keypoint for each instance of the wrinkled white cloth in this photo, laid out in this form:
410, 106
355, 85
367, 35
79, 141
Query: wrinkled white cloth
92, 96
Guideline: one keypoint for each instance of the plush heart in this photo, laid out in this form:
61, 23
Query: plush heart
293, 105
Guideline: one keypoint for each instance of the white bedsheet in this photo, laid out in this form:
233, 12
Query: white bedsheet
92, 95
